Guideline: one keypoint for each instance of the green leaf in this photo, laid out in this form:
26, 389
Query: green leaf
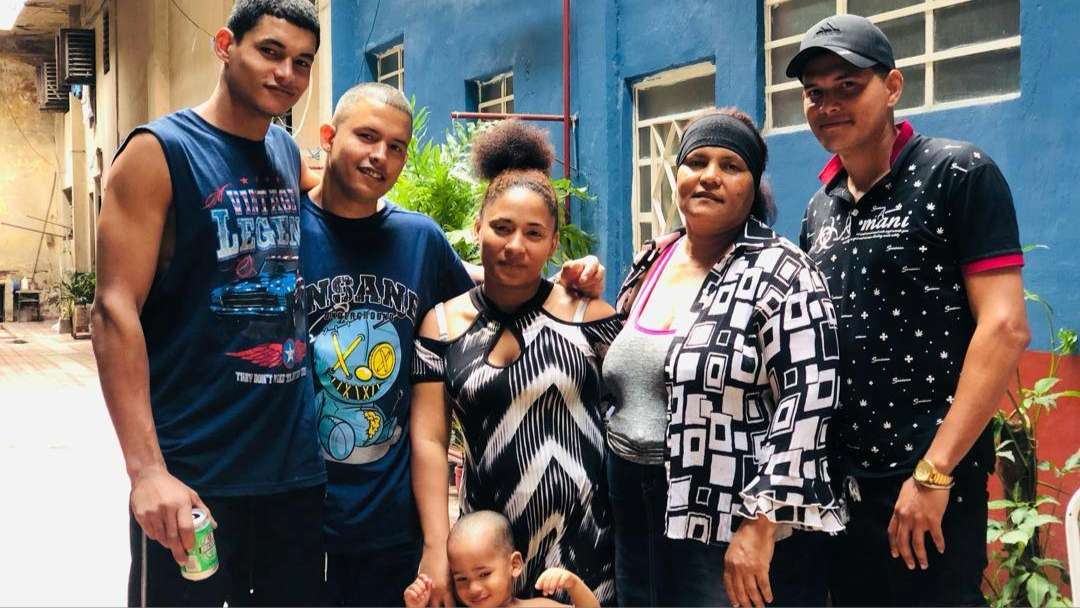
1044, 499
1044, 385
1038, 588
1008, 591
1048, 562
1016, 537
1019, 514
1039, 519
1072, 462
1034, 297
1000, 504
1067, 342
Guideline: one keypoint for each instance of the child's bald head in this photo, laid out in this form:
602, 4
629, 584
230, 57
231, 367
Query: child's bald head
490, 527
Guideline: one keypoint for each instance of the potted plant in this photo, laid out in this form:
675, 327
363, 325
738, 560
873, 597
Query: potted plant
60, 298
81, 286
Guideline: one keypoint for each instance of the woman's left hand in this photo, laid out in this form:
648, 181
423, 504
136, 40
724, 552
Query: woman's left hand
746, 563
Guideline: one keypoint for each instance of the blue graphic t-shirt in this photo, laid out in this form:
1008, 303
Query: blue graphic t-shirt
369, 283
224, 326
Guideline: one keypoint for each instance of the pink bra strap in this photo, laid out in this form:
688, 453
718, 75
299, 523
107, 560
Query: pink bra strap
650, 284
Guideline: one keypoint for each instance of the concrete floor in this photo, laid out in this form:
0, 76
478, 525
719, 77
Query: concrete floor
64, 503
63, 507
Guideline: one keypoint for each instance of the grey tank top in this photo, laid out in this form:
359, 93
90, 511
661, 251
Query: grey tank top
634, 373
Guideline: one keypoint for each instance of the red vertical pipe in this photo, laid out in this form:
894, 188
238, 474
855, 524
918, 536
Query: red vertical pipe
566, 100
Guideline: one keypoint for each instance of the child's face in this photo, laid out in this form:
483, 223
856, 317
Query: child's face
483, 572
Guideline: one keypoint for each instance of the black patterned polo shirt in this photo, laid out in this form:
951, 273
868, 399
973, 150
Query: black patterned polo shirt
895, 263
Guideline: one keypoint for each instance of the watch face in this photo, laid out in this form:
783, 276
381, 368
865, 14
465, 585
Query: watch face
922, 471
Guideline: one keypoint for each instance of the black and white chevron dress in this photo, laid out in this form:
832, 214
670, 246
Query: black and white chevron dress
534, 433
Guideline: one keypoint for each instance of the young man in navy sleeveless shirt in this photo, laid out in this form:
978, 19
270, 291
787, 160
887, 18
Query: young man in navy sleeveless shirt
918, 239
200, 333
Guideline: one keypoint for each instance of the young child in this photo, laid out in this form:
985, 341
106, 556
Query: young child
484, 566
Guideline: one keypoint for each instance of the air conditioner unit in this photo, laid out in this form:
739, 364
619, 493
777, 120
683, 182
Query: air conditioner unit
75, 56
52, 94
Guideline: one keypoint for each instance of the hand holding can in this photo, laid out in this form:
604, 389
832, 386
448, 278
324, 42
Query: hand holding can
202, 560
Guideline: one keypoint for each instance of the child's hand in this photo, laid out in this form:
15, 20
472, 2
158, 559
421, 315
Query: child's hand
554, 580
418, 593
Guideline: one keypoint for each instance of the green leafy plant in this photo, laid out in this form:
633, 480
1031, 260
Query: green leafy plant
1023, 575
82, 286
75, 289
437, 182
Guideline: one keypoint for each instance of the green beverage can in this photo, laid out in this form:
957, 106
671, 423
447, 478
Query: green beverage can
202, 562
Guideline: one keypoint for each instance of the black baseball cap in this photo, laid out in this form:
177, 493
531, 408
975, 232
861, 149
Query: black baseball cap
855, 39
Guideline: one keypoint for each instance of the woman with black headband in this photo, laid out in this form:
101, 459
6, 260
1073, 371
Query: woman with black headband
724, 379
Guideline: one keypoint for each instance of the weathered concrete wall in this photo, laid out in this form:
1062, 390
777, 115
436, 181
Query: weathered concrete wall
28, 168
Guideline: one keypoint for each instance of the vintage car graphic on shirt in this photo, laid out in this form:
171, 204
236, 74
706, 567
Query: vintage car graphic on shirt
271, 292
357, 360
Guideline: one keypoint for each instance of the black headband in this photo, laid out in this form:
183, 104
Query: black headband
723, 131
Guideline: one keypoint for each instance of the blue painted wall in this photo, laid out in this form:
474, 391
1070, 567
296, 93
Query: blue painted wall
617, 42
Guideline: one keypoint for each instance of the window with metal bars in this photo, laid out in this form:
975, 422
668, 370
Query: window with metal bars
52, 93
495, 96
663, 105
390, 67
75, 60
951, 52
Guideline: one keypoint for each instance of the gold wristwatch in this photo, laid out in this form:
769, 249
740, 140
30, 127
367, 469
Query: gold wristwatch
927, 475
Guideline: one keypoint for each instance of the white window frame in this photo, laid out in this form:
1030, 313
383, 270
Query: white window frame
926, 59
662, 154
398, 50
498, 104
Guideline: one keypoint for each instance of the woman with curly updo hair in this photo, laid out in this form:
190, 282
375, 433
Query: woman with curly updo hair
517, 361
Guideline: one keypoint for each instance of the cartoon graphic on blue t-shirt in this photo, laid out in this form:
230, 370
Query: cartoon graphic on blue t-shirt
367, 283
357, 359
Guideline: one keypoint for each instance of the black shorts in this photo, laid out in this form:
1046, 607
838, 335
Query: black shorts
374, 578
270, 553
864, 573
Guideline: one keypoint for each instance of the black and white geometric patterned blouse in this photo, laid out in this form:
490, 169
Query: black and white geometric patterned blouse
534, 433
896, 263
752, 384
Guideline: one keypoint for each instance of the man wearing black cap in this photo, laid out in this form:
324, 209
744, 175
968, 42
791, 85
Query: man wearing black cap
918, 239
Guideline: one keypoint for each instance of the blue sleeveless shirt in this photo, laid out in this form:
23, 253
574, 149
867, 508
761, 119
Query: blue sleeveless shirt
224, 324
